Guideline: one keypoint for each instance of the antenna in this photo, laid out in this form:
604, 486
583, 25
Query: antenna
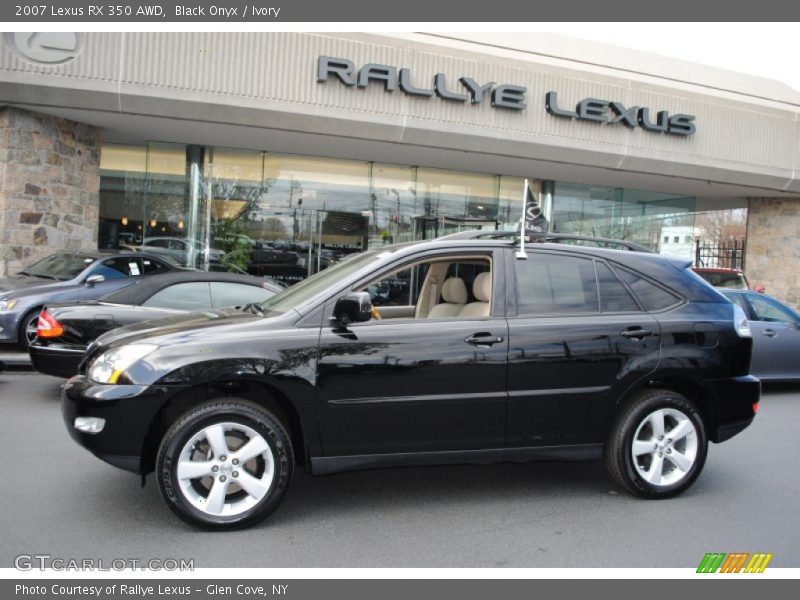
521, 254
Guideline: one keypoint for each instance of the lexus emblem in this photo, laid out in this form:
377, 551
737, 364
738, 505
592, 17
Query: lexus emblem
46, 48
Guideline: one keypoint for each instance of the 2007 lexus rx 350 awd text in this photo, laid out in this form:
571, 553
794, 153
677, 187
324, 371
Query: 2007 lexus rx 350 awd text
458, 350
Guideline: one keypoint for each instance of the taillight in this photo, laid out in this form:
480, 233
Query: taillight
740, 322
48, 326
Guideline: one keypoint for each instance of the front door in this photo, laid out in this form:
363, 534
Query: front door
418, 379
776, 338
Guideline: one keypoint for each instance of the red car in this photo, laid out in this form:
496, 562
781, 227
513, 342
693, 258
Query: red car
732, 279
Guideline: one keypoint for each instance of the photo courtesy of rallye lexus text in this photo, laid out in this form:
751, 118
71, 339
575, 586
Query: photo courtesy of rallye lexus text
486, 352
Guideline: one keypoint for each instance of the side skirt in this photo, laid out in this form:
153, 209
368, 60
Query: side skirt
326, 465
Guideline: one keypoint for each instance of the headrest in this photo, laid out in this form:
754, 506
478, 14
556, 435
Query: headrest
482, 287
454, 291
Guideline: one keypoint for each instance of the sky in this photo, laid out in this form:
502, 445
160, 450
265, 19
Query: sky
769, 50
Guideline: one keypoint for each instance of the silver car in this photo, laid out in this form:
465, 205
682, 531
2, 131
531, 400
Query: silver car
776, 335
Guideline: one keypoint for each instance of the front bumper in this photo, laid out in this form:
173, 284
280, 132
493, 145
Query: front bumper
736, 400
130, 411
9, 325
58, 361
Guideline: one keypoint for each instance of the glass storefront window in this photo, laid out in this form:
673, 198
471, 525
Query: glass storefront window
123, 171
394, 189
451, 201
288, 217
632, 215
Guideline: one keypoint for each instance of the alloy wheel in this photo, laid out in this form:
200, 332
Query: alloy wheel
225, 469
664, 447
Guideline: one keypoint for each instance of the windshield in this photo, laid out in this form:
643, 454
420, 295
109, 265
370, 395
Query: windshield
307, 289
59, 266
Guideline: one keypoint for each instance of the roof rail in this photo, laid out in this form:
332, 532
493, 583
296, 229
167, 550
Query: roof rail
541, 237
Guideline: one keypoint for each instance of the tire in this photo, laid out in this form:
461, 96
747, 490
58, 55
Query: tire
28, 321
636, 447
211, 493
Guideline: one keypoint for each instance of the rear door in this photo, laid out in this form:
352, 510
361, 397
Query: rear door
576, 336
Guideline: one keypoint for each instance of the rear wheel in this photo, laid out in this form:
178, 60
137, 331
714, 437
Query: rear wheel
225, 464
658, 445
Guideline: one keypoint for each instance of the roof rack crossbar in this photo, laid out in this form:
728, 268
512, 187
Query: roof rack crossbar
541, 237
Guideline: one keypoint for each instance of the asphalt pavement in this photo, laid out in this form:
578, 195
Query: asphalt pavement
58, 499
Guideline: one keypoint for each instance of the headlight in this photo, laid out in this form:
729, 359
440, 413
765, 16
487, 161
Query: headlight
7, 304
107, 367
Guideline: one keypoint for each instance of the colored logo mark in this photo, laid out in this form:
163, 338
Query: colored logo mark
736, 562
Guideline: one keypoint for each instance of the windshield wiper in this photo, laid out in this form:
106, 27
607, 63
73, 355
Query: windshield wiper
253, 307
45, 276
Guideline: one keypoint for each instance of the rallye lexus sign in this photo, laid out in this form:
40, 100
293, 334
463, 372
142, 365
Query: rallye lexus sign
503, 96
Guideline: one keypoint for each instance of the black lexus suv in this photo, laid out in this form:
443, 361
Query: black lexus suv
465, 349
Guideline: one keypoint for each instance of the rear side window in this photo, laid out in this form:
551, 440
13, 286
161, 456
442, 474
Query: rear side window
548, 283
649, 294
182, 296
614, 296
153, 267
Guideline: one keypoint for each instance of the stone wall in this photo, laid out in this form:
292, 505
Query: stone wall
49, 187
773, 247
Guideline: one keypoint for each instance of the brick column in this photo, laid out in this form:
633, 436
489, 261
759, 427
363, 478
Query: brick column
49, 187
773, 247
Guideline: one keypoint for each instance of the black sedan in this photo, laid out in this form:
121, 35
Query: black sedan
65, 330
67, 278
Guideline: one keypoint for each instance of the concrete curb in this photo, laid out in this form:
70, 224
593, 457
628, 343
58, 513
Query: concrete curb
16, 361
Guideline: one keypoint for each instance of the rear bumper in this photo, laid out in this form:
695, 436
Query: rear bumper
736, 399
58, 361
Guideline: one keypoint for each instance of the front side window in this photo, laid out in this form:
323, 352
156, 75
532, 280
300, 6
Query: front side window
182, 296
550, 284
436, 289
118, 268
767, 309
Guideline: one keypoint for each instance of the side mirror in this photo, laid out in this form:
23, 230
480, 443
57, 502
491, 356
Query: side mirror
355, 307
92, 280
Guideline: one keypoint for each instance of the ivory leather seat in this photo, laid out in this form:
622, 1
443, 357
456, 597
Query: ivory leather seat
454, 298
482, 290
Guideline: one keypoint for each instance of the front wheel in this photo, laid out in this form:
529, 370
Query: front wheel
658, 444
225, 464
28, 329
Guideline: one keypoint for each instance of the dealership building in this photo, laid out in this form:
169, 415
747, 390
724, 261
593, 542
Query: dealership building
281, 153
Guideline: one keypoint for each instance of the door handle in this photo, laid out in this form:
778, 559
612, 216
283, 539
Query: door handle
770, 332
483, 339
636, 333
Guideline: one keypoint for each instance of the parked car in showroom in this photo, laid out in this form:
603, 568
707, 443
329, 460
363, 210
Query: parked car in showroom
65, 330
732, 279
776, 335
573, 352
66, 278
178, 250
